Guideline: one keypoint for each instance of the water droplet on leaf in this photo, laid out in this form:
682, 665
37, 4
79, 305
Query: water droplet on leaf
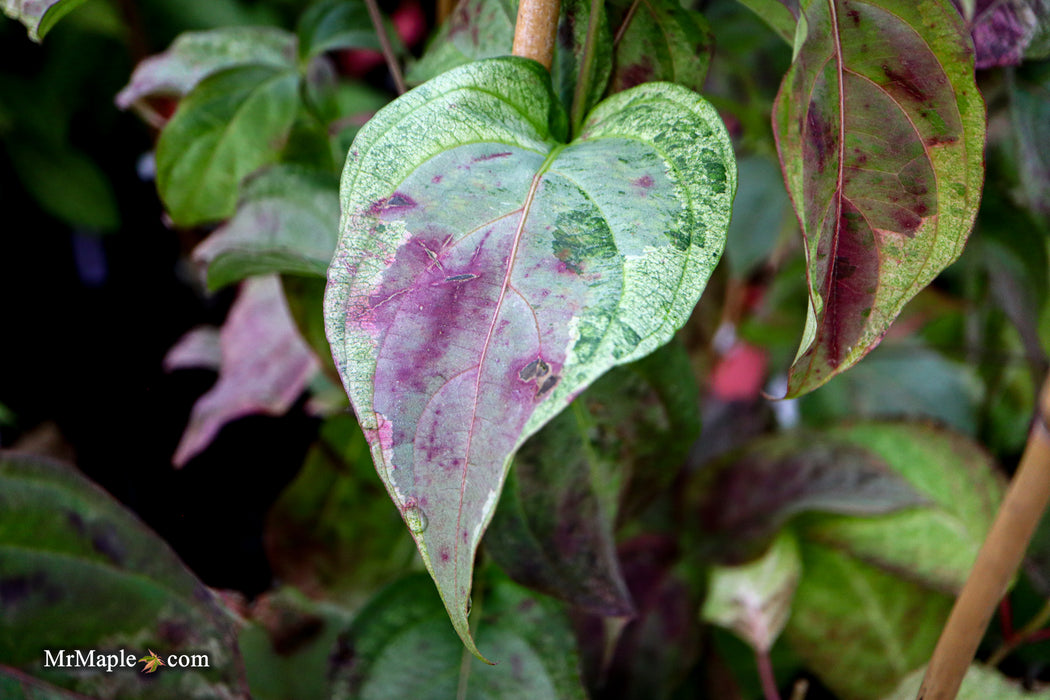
416, 519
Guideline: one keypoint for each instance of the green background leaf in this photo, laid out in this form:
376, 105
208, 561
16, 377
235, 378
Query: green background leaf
68, 551
233, 123
287, 221
404, 647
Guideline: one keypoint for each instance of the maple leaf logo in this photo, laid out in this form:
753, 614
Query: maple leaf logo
152, 662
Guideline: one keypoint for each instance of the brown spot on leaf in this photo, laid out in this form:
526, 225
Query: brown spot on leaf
547, 384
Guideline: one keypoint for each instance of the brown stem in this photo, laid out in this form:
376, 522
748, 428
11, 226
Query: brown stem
1001, 554
626, 22
384, 43
444, 9
536, 30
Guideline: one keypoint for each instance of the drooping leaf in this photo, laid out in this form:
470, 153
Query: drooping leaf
68, 551
1007, 31
754, 600
859, 629
311, 542
780, 15
291, 646
265, 366
336, 24
744, 499
935, 545
38, 16
880, 130
980, 683
486, 274
287, 221
194, 56
659, 40
900, 380
553, 528
527, 633
232, 123
199, 347
480, 29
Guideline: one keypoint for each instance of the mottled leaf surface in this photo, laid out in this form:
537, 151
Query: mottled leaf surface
265, 366
68, 551
744, 499
487, 273
980, 683
38, 16
880, 130
232, 123
937, 544
860, 629
754, 600
401, 646
287, 221
553, 529
193, 56
659, 40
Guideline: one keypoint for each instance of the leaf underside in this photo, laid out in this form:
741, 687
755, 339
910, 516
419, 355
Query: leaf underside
880, 130
487, 273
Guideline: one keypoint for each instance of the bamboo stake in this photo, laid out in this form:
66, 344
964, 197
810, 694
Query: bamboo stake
999, 558
444, 9
536, 29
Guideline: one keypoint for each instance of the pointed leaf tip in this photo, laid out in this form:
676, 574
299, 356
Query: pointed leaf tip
486, 274
880, 131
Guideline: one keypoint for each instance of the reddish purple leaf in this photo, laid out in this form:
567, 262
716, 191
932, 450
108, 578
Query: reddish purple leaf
265, 365
1003, 30
880, 130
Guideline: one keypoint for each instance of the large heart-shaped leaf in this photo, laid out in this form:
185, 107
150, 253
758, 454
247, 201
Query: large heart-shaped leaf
487, 273
880, 129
